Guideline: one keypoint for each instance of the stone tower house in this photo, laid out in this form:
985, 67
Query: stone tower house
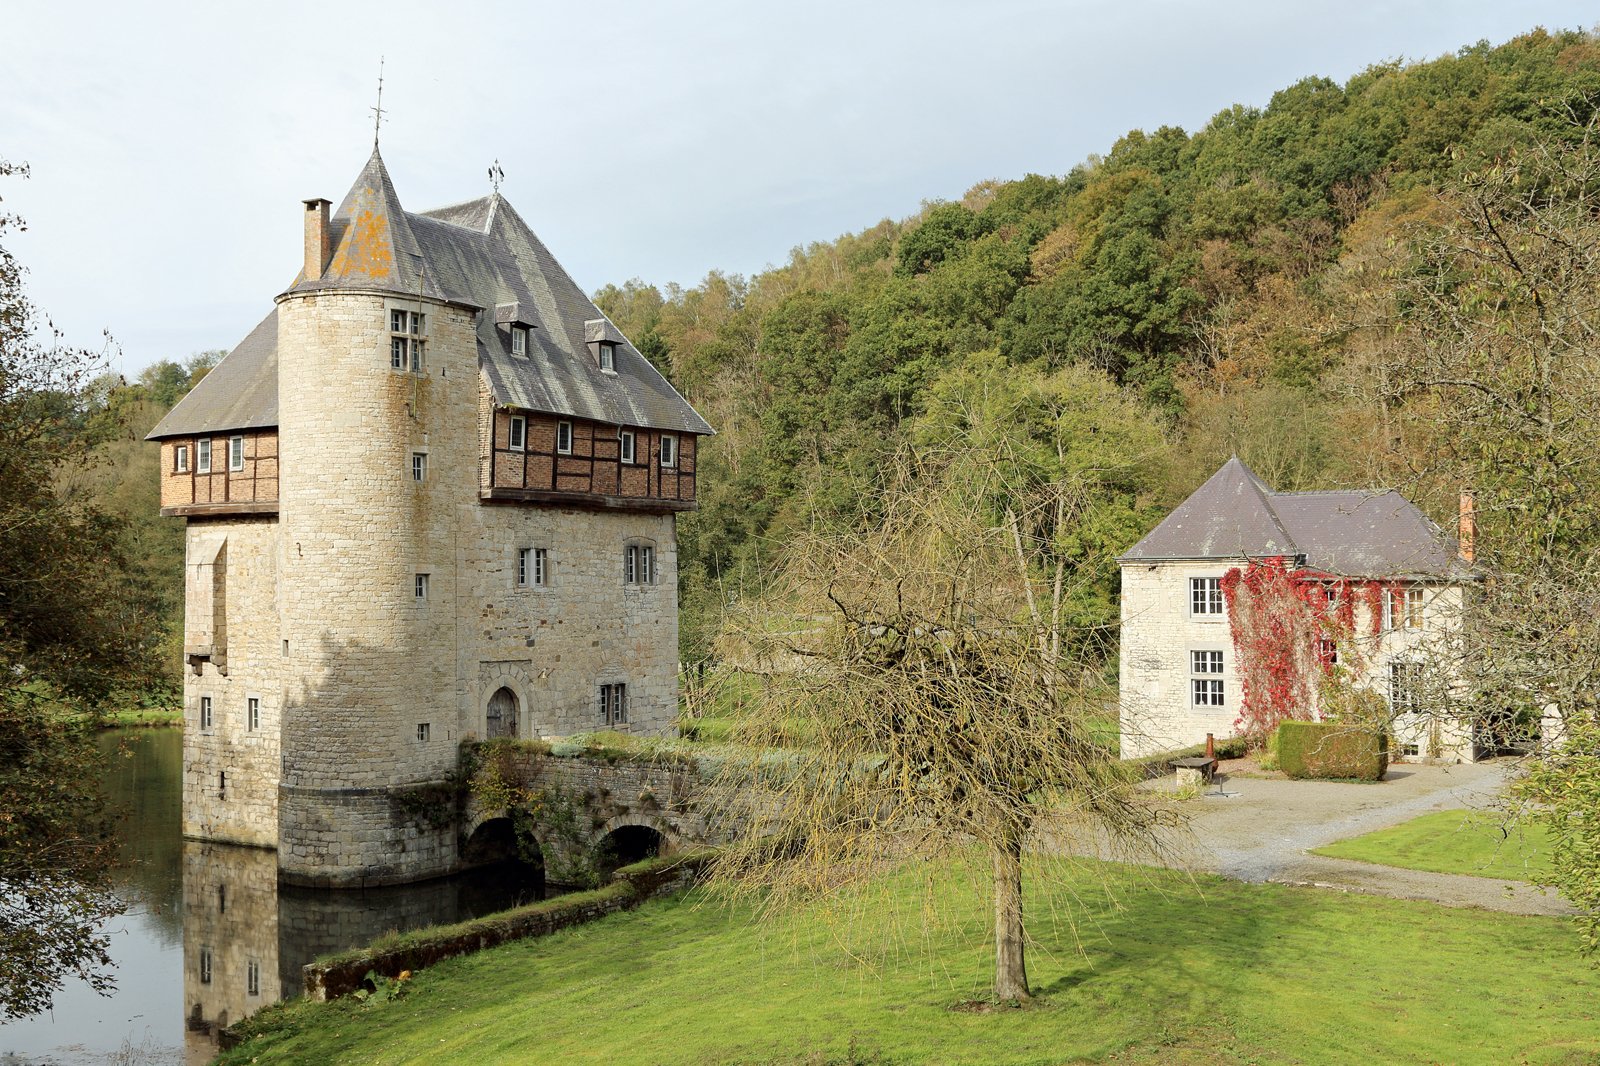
431, 496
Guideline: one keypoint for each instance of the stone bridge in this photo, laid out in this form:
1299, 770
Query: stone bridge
589, 813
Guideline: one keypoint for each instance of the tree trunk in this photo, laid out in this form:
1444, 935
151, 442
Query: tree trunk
1010, 971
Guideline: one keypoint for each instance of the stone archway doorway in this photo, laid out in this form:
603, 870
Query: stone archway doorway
502, 715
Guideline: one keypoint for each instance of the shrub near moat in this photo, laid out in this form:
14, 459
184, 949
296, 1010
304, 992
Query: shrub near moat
1331, 750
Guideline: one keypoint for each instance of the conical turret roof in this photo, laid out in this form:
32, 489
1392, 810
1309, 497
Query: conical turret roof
373, 244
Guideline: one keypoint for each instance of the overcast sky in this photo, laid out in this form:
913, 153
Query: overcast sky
171, 144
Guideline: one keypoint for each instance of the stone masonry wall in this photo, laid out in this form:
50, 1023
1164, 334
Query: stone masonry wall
230, 771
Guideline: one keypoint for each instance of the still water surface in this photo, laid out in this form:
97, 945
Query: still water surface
209, 936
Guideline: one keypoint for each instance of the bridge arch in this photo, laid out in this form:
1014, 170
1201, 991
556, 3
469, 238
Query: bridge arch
629, 838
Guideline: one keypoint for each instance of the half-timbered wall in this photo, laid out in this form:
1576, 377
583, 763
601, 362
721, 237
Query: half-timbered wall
191, 492
594, 467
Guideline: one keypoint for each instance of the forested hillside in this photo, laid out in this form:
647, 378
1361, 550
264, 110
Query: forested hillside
1243, 284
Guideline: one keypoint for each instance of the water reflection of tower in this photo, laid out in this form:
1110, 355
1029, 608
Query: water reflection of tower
230, 940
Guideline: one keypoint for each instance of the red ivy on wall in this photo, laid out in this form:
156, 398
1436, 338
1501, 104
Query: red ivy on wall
1287, 623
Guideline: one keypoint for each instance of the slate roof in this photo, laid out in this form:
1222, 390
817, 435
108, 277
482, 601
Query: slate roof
479, 254
1352, 533
240, 392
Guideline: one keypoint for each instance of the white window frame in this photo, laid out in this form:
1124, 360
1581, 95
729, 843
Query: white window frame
252, 713
519, 341
207, 713
235, 454
563, 438
420, 587
608, 357
1206, 686
1412, 608
533, 568
669, 449
202, 456
419, 467
1206, 592
1405, 687
627, 446
1326, 651
180, 459
517, 433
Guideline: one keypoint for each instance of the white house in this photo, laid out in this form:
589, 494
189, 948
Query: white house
1371, 559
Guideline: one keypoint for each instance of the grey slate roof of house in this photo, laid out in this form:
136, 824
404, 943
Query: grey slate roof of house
1355, 533
479, 254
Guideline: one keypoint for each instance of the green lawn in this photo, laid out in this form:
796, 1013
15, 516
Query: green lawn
1453, 842
1214, 972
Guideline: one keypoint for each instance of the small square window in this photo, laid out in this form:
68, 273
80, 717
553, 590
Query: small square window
235, 453
625, 448
419, 466
397, 322
180, 459
1207, 692
564, 438
424, 731
519, 341
205, 712
202, 457
421, 587
517, 434
253, 713
669, 450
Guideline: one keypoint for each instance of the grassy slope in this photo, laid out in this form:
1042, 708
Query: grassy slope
1453, 842
1249, 973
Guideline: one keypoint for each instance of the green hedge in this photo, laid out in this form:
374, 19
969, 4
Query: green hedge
1331, 750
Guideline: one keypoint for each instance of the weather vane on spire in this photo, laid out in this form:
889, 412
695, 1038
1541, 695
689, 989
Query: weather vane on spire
496, 176
377, 112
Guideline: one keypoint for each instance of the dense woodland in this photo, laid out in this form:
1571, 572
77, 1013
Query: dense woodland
1244, 283
1183, 297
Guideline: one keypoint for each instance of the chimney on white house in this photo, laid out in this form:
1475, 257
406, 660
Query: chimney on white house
1467, 532
317, 249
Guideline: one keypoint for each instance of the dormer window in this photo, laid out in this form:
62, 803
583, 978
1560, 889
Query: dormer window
519, 341
608, 358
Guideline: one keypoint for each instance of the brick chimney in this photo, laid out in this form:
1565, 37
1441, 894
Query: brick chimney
317, 250
1467, 535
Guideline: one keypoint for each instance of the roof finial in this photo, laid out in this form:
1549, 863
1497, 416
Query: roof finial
377, 112
496, 176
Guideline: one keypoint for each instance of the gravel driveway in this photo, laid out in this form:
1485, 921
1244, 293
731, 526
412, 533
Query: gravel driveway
1261, 829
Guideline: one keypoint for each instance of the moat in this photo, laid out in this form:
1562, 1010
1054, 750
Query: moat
209, 936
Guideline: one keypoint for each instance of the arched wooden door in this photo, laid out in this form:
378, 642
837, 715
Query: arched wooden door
502, 713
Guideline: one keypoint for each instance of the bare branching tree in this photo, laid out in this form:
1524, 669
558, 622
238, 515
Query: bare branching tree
922, 649
1494, 366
